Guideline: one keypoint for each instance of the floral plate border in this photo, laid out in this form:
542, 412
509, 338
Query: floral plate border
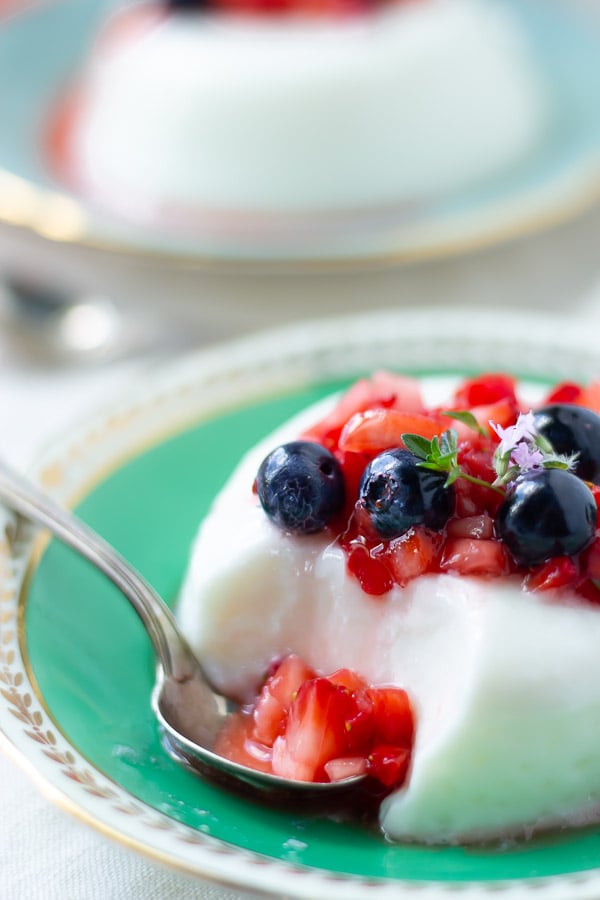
197, 387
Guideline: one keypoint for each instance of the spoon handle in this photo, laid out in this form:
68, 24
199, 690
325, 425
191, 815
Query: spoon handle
171, 649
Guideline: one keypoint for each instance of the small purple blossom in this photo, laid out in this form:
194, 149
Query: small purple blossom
523, 430
526, 457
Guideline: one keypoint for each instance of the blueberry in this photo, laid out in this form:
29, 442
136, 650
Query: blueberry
545, 514
397, 493
573, 429
300, 486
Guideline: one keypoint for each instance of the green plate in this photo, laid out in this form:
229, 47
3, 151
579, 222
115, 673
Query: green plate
78, 666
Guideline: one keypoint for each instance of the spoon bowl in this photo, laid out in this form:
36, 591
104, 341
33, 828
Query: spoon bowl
189, 711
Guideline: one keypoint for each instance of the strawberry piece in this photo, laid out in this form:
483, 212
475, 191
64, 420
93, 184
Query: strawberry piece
373, 575
380, 429
595, 489
559, 572
348, 679
276, 696
388, 764
485, 389
345, 767
504, 412
393, 720
382, 391
316, 730
331, 728
589, 590
471, 557
478, 527
590, 397
235, 742
590, 560
353, 465
412, 554
287, 678
565, 392
475, 459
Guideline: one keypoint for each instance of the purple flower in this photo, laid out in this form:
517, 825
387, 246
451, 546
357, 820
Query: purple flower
526, 457
522, 431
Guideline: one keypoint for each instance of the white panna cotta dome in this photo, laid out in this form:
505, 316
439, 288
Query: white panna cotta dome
294, 114
503, 682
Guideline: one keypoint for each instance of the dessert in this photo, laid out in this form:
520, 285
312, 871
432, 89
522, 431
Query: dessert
460, 568
288, 107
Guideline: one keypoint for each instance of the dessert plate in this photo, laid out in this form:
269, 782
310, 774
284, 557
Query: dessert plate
76, 666
560, 178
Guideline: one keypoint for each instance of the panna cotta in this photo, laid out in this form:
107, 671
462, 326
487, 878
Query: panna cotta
287, 111
496, 649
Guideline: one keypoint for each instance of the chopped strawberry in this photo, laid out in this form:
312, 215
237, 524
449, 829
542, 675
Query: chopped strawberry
315, 731
590, 561
472, 557
590, 397
332, 728
345, 767
353, 465
565, 392
388, 764
287, 678
406, 391
589, 590
393, 721
375, 430
412, 554
559, 572
484, 390
504, 412
384, 390
348, 679
269, 716
475, 459
373, 575
478, 527
235, 742
276, 696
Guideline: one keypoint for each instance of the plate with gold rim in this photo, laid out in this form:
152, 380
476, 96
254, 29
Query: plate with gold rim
76, 668
559, 179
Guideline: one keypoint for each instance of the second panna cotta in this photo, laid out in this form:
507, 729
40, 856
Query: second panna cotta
290, 108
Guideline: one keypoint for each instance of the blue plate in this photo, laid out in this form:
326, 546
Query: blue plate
40, 52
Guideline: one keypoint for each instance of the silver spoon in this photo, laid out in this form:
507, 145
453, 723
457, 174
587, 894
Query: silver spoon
190, 712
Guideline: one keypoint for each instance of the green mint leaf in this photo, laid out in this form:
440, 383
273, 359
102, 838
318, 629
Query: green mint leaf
436, 451
556, 463
433, 466
467, 418
449, 442
417, 445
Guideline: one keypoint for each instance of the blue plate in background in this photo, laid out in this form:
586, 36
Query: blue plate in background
42, 50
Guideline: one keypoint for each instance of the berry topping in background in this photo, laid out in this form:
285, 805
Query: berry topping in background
187, 5
482, 487
337, 8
